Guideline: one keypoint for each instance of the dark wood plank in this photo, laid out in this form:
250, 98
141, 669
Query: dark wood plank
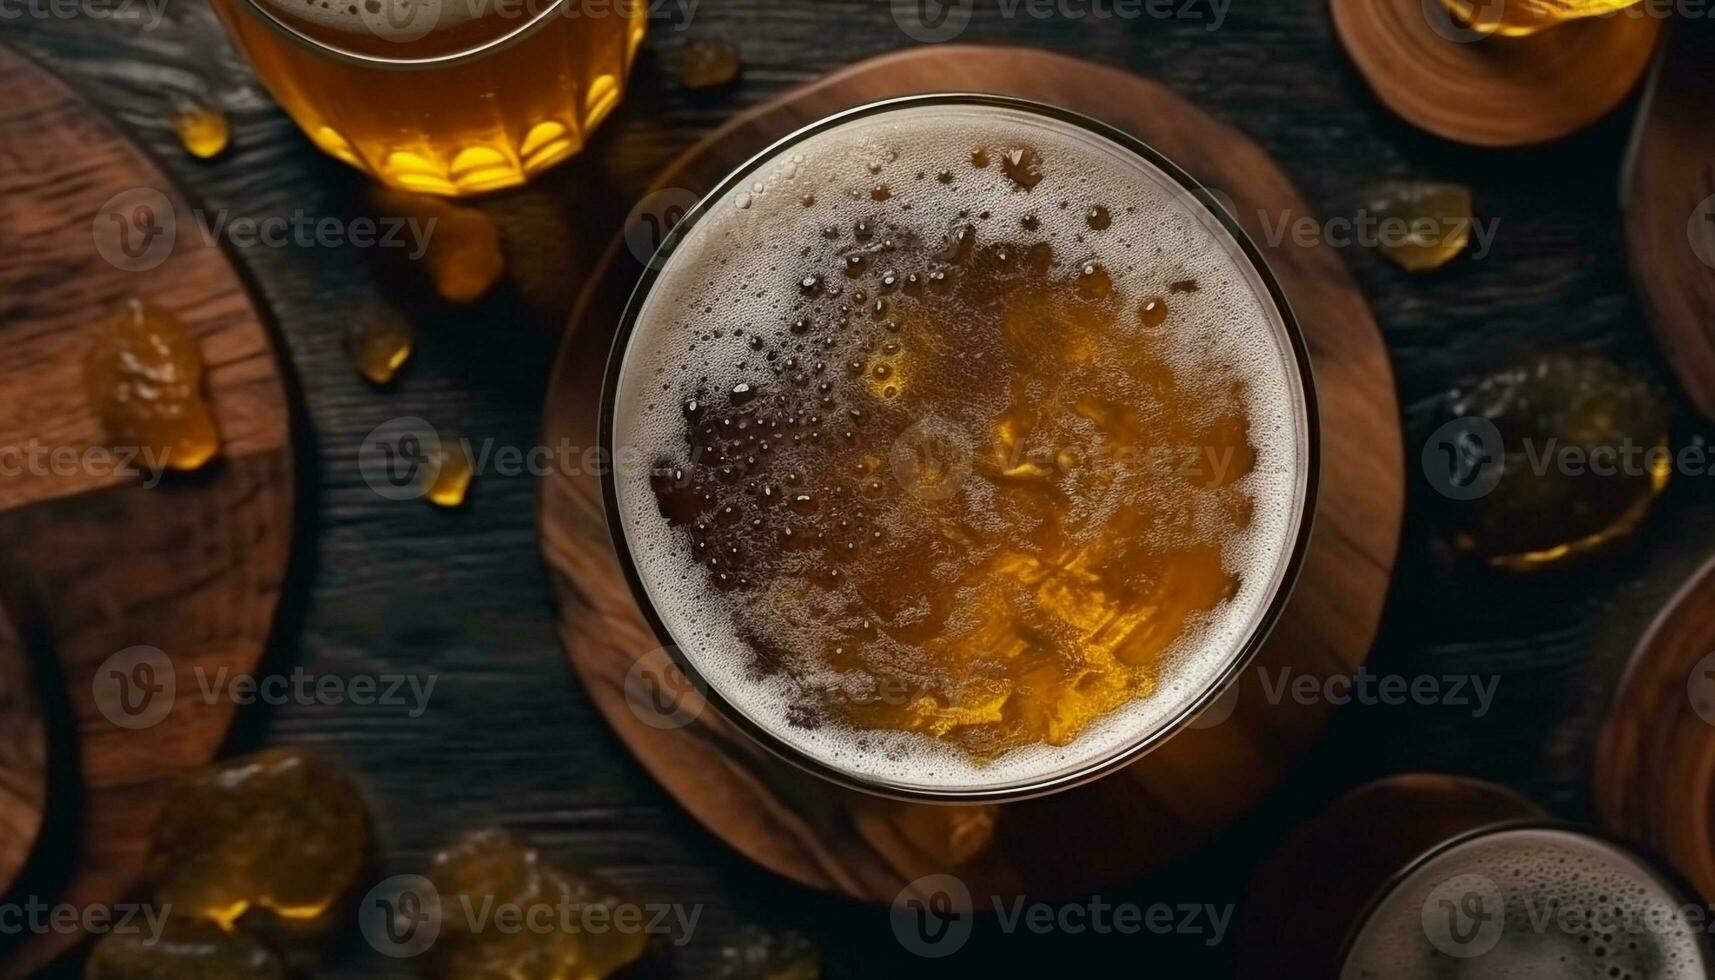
511, 738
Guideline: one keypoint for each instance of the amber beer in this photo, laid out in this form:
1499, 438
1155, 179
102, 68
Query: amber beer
1516, 18
975, 450
443, 96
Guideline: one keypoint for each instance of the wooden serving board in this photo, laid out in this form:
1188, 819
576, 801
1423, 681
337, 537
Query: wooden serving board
1668, 196
93, 561
1494, 91
1307, 895
1117, 828
1655, 755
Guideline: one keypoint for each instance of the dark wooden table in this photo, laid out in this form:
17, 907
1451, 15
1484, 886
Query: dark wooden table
510, 738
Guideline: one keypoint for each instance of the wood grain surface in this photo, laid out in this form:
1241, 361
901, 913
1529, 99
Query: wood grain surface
1494, 91
1308, 894
511, 737
1669, 194
1655, 759
1074, 842
96, 559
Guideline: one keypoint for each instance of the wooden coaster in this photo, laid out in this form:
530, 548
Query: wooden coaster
1655, 754
94, 562
1668, 196
23, 756
1117, 828
1306, 897
1493, 91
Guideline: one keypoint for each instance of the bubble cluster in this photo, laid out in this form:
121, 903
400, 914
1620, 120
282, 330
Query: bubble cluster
939, 510
1573, 908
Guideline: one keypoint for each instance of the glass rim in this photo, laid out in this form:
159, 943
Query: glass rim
1672, 881
1131, 749
274, 21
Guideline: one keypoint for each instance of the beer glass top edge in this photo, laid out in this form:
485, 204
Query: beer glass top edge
1245, 256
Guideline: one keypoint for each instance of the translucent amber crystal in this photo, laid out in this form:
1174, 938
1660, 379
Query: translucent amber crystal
1585, 453
379, 344
280, 830
573, 927
709, 63
1516, 18
143, 377
1422, 226
453, 472
203, 130
755, 953
186, 949
459, 246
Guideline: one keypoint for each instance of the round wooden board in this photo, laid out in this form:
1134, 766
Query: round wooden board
1117, 828
1655, 755
1668, 196
1308, 894
93, 561
1493, 91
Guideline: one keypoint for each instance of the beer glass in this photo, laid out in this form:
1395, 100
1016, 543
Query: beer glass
448, 97
1531, 899
965, 449
1516, 18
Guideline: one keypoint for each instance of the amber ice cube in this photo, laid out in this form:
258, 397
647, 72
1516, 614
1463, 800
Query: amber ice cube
186, 949
1584, 452
453, 471
379, 344
203, 130
280, 831
1421, 226
755, 953
143, 378
709, 63
574, 928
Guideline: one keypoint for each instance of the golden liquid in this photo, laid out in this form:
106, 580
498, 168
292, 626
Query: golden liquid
1516, 18
973, 486
463, 127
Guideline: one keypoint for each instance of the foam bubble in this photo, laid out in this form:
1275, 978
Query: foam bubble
727, 273
1527, 904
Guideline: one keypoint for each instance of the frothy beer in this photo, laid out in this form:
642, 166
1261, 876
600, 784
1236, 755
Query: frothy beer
1529, 904
977, 447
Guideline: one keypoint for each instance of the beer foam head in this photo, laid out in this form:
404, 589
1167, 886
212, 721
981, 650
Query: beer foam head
1526, 904
735, 266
